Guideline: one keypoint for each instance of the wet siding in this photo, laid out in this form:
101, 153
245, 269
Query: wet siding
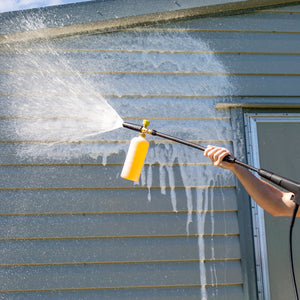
70, 227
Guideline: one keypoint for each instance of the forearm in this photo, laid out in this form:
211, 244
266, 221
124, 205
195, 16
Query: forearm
264, 194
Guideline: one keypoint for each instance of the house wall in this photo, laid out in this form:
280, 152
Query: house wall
71, 227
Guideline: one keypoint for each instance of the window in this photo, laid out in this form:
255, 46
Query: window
273, 142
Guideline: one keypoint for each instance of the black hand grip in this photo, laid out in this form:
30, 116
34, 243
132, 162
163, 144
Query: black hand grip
287, 184
229, 158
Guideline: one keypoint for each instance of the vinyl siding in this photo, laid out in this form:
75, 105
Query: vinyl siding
71, 228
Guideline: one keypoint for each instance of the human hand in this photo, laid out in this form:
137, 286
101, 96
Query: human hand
216, 155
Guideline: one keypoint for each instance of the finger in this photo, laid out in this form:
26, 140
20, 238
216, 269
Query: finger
211, 153
219, 155
208, 149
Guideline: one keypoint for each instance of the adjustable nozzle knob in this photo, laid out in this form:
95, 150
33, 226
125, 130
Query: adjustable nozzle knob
146, 123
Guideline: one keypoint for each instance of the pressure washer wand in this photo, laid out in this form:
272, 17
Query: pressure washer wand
144, 129
162, 135
283, 182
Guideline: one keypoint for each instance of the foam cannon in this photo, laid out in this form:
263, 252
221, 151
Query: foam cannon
139, 146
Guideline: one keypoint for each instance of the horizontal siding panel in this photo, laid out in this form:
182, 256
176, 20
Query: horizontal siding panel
264, 101
116, 84
287, 9
190, 107
192, 85
84, 225
253, 42
130, 40
232, 292
189, 129
100, 176
97, 251
267, 85
269, 20
102, 60
100, 152
275, 64
109, 201
115, 275
89, 62
191, 41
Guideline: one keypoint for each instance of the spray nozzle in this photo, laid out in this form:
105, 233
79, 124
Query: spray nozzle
133, 126
140, 128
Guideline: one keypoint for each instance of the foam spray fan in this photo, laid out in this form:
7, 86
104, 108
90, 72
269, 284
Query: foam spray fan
139, 146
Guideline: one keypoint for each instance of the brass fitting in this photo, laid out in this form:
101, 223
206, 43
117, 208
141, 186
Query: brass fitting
144, 128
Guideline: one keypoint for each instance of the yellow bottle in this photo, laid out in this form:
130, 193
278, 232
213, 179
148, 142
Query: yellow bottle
135, 157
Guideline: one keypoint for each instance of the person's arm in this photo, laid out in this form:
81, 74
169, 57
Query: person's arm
267, 196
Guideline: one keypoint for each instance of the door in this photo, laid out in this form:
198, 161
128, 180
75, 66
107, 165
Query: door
273, 142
